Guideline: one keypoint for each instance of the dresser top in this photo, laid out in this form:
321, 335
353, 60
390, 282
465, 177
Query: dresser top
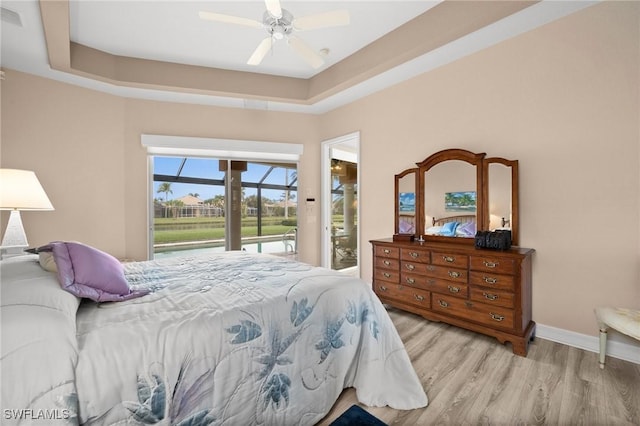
454, 247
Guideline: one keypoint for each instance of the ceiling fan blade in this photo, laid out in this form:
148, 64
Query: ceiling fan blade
260, 52
273, 6
307, 53
210, 16
334, 18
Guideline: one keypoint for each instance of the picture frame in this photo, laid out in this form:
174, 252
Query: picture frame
460, 201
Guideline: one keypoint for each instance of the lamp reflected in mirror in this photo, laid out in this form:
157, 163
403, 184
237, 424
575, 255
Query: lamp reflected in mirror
497, 221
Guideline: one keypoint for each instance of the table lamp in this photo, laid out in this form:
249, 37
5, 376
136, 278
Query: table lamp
19, 190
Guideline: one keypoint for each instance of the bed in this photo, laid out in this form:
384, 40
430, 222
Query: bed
233, 338
463, 226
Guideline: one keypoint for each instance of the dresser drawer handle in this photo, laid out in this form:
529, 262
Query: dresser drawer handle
382, 288
386, 274
490, 264
490, 280
411, 281
496, 317
386, 263
443, 303
490, 296
453, 289
386, 251
410, 266
431, 268
414, 254
454, 274
418, 297
449, 259
431, 281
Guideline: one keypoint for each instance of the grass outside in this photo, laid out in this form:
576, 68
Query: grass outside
212, 228
169, 230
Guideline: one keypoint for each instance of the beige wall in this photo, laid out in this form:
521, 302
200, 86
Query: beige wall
563, 99
85, 148
73, 139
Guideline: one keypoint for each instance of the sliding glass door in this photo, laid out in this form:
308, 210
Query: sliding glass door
213, 204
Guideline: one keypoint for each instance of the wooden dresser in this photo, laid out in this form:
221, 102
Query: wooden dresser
486, 291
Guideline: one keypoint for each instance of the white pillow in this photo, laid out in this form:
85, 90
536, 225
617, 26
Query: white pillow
434, 230
47, 262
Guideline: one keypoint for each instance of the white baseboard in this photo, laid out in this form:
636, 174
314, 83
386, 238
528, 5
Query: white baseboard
620, 350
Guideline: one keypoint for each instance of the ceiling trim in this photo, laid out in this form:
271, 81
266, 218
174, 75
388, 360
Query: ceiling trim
439, 26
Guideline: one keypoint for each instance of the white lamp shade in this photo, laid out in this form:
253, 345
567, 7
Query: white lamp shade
21, 190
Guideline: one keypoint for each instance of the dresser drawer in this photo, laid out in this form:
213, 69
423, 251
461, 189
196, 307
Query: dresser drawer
415, 255
487, 279
447, 273
449, 259
496, 265
387, 263
493, 316
405, 294
416, 280
434, 284
385, 251
387, 275
448, 288
493, 297
412, 267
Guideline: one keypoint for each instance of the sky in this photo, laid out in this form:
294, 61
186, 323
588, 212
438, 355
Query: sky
208, 168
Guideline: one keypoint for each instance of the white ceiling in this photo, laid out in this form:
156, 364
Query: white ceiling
171, 31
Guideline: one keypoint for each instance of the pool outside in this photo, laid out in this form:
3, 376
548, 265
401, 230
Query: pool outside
271, 246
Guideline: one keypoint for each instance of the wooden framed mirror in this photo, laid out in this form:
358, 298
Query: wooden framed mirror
452, 207
501, 186
454, 193
406, 184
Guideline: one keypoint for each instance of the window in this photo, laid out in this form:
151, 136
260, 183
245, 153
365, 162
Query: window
192, 205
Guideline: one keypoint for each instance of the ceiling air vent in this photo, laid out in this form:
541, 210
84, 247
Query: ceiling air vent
10, 17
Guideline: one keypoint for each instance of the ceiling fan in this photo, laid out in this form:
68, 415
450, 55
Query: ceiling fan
280, 24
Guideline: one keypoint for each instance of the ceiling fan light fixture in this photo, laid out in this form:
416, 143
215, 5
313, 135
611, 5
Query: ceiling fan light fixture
280, 24
278, 27
278, 32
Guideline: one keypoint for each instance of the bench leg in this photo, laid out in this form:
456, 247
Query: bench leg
603, 345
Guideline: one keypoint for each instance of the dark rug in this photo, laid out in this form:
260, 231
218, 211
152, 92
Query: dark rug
356, 416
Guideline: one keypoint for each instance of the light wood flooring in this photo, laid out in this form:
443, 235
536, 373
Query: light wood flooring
473, 379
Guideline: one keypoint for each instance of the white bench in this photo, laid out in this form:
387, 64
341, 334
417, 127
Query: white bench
624, 320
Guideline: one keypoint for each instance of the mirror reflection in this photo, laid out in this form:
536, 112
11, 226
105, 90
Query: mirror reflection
500, 203
454, 193
450, 199
406, 202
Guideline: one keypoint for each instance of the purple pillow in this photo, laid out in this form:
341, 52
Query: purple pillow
467, 229
90, 273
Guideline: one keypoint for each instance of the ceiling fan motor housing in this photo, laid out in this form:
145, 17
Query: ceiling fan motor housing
278, 27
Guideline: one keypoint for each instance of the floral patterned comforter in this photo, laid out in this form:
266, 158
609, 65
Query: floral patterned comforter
232, 339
